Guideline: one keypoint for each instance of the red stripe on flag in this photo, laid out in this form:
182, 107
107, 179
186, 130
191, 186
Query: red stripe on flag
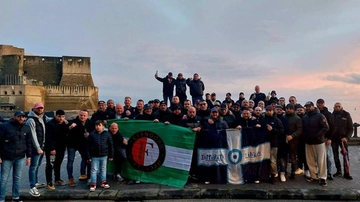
139, 150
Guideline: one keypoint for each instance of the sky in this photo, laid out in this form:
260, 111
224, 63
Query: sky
306, 48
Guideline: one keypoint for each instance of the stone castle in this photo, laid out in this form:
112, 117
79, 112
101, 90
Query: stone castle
59, 82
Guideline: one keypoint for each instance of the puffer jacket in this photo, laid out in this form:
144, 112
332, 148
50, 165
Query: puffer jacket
315, 127
344, 125
197, 87
15, 140
100, 145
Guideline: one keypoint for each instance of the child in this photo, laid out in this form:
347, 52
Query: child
99, 149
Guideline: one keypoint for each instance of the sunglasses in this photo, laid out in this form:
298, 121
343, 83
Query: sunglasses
203, 104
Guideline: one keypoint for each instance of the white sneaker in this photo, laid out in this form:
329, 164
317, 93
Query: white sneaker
40, 185
256, 181
299, 171
207, 182
34, 192
307, 173
282, 177
119, 178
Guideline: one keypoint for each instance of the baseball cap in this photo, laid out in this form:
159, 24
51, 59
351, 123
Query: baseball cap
170, 74
19, 113
223, 106
273, 92
147, 106
156, 101
214, 110
309, 103
38, 105
320, 101
163, 102
175, 107
269, 107
291, 106
101, 102
217, 103
213, 94
278, 106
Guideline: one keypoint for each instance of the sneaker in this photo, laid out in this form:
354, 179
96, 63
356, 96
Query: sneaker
348, 176
105, 185
60, 182
256, 181
309, 179
50, 186
34, 192
307, 174
92, 188
338, 174
40, 185
276, 175
71, 182
299, 171
323, 182
83, 177
119, 178
207, 182
282, 177
330, 177
16, 200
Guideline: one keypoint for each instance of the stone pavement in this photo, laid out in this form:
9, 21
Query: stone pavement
338, 189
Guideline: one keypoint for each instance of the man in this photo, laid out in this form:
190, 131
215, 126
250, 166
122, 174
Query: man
101, 113
163, 114
244, 105
343, 133
320, 104
187, 105
15, 143
168, 86
76, 141
203, 111
228, 98
227, 116
36, 123
110, 109
213, 99
315, 127
236, 110
283, 149
197, 88
215, 122
119, 145
292, 100
139, 108
180, 88
55, 146
156, 105
208, 100
282, 102
257, 96
147, 114
176, 115
241, 98
176, 102
295, 131
119, 110
272, 98
274, 128
302, 165
128, 109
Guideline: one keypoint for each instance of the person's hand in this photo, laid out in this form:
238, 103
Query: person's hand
126, 118
73, 125
53, 152
167, 122
40, 151
125, 142
156, 120
328, 142
197, 129
210, 121
0, 160
66, 121
258, 126
128, 113
344, 140
28, 161
269, 127
184, 117
89, 160
238, 127
253, 118
230, 113
111, 159
289, 138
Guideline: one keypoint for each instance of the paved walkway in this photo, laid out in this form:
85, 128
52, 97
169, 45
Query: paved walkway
338, 189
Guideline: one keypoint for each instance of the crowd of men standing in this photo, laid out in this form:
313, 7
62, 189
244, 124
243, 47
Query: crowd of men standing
307, 135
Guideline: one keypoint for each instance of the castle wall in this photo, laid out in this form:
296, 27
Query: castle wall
76, 71
11, 50
47, 70
10, 68
22, 96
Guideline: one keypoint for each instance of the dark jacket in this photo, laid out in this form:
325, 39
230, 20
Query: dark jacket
102, 115
258, 97
75, 138
168, 85
277, 129
218, 124
191, 122
145, 116
37, 129
118, 145
295, 125
197, 87
163, 116
55, 135
344, 125
180, 86
175, 119
15, 140
331, 122
230, 120
100, 145
282, 136
315, 126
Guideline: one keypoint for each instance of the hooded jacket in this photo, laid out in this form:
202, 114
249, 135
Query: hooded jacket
315, 126
36, 123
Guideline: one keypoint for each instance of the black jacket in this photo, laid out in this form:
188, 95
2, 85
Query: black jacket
100, 145
75, 138
295, 125
119, 146
191, 122
344, 125
197, 87
330, 119
315, 127
163, 116
55, 136
277, 129
168, 85
15, 140
102, 115
180, 86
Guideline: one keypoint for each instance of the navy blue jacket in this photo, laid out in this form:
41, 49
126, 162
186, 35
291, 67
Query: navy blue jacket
315, 127
197, 87
100, 145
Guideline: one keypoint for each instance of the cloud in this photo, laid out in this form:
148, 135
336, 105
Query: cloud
353, 78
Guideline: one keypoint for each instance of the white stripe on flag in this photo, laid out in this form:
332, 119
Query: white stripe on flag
177, 158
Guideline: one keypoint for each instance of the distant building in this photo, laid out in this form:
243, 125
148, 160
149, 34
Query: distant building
59, 82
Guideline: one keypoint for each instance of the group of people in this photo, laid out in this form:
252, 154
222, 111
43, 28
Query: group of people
307, 135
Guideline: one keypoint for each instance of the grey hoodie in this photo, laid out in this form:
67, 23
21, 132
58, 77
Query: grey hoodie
32, 125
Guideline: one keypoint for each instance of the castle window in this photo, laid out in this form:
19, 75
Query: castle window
13, 92
5, 92
20, 92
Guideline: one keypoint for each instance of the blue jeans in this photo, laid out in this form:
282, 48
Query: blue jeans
71, 157
328, 157
98, 163
166, 97
6, 166
36, 160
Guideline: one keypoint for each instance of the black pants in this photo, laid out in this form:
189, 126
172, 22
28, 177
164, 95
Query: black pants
59, 157
301, 155
182, 97
336, 144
